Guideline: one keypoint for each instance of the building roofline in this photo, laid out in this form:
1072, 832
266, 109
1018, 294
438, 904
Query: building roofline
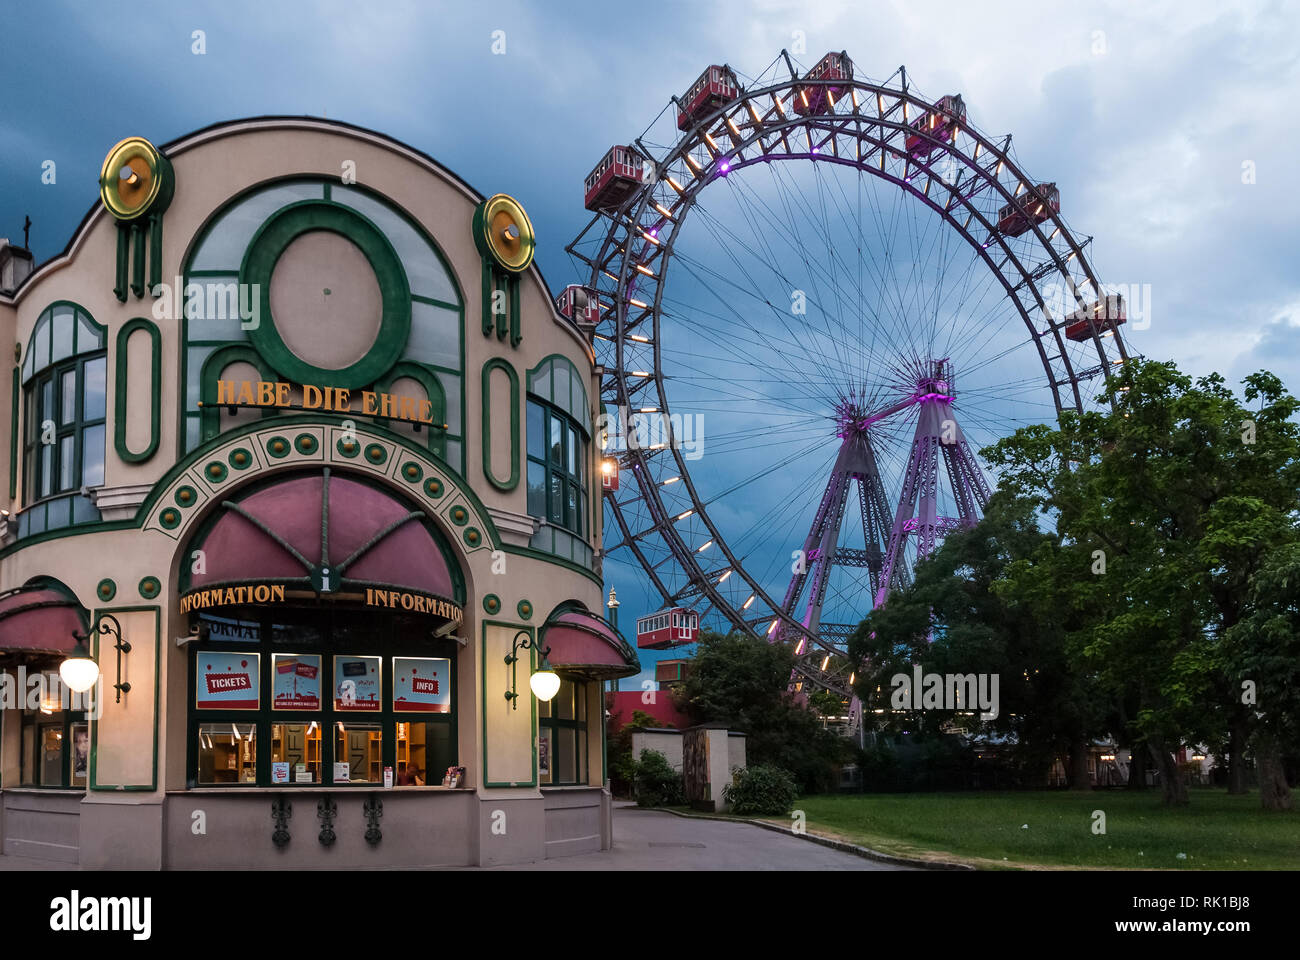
214, 131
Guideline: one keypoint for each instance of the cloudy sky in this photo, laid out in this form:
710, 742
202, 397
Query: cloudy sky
1167, 125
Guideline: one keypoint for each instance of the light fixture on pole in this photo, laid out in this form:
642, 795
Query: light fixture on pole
79, 673
545, 682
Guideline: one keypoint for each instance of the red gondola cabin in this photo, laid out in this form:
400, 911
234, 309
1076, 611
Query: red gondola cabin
816, 100
616, 177
940, 124
1105, 314
1032, 207
579, 304
716, 86
670, 627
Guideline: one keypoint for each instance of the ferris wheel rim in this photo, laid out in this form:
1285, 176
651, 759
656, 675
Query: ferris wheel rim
621, 233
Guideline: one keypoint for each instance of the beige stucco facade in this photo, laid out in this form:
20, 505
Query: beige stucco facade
169, 467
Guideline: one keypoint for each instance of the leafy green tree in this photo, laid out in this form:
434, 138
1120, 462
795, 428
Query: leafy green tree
1175, 495
744, 682
957, 617
1262, 654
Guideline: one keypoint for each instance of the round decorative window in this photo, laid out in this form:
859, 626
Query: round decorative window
334, 302
321, 283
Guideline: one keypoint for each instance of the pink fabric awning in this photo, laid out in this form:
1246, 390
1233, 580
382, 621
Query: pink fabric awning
297, 529
585, 645
40, 620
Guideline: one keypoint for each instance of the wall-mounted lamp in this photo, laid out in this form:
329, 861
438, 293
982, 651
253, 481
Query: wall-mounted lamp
79, 673
545, 683
108, 624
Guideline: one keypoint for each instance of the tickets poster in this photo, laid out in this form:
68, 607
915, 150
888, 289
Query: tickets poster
421, 685
356, 684
295, 681
226, 681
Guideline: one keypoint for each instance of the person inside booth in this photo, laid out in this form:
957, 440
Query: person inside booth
411, 776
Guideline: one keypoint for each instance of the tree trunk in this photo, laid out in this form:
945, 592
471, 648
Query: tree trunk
1237, 752
1274, 794
1079, 779
1172, 785
1137, 767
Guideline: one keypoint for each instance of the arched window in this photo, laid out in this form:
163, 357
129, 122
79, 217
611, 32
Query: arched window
558, 432
65, 398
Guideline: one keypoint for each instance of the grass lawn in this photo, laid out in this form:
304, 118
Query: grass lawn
1216, 832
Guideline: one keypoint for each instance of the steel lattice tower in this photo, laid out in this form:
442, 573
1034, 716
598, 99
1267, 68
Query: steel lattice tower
938, 437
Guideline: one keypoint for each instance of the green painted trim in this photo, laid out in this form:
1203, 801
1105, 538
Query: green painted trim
585, 420
13, 435
485, 305
44, 321
60, 532
435, 303
516, 322
553, 559
106, 590
119, 390
156, 247
205, 450
92, 780
150, 587
210, 373
492, 604
216, 216
271, 240
498, 363
433, 389
138, 233
525, 609
483, 701
123, 260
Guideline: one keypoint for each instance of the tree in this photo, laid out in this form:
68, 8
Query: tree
1180, 491
1262, 653
959, 617
744, 682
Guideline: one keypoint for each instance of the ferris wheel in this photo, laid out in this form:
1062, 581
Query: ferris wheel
865, 291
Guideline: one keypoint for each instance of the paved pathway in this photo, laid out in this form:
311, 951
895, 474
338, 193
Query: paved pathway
651, 840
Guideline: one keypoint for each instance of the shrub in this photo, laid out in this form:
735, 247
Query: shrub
657, 783
761, 789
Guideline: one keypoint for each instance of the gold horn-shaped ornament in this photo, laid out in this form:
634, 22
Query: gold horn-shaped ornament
136, 179
503, 232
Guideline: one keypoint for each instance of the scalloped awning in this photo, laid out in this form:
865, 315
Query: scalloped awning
328, 535
39, 620
585, 645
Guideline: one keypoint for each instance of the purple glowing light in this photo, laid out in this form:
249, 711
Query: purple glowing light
725, 166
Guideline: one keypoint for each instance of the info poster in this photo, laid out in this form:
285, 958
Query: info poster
356, 684
226, 681
295, 681
421, 685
